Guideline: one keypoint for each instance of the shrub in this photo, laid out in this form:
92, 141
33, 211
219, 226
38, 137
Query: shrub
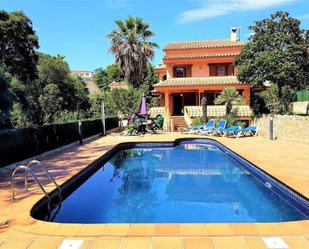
232, 117
258, 104
132, 129
198, 121
277, 100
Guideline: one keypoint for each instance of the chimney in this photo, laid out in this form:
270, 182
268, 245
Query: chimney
233, 34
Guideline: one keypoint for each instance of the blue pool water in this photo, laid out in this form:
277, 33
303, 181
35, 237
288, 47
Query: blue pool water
188, 183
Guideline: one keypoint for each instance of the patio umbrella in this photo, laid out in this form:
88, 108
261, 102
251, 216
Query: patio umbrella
143, 107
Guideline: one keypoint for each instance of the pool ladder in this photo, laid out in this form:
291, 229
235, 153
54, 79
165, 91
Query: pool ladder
28, 170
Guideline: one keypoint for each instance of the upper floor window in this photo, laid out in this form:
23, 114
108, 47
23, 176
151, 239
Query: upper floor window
221, 69
182, 71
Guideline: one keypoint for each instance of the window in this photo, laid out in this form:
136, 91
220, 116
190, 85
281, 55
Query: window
211, 98
180, 72
221, 70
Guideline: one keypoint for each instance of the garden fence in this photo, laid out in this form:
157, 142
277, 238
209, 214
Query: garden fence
22, 143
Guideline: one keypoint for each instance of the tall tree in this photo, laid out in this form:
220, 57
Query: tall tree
131, 46
146, 85
103, 77
5, 99
18, 43
54, 91
276, 52
118, 102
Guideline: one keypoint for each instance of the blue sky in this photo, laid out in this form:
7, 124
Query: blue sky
77, 29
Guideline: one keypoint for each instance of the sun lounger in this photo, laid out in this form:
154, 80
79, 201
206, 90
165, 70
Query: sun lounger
218, 130
180, 129
252, 130
232, 131
209, 126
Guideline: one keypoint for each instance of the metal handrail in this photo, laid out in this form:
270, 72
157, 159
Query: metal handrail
28, 170
36, 162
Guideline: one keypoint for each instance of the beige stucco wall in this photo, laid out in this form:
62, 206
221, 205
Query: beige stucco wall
286, 127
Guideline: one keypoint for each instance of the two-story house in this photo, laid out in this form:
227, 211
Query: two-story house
195, 69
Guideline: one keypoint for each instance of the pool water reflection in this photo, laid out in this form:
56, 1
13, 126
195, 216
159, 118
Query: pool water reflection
188, 183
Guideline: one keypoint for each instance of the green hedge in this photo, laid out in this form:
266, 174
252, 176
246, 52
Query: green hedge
303, 95
19, 144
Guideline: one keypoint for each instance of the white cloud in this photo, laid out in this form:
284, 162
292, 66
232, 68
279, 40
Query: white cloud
219, 8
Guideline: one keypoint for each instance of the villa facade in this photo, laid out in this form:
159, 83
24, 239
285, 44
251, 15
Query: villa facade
194, 69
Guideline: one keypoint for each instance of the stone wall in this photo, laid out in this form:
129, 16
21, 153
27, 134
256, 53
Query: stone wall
292, 128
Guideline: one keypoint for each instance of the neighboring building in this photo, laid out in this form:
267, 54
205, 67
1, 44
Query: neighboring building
195, 69
92, 87
86, 75
118, 85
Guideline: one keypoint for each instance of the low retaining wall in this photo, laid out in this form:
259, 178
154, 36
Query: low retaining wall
286, 127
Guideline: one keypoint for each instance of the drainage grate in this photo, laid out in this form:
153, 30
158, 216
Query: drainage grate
275, 243
71, 244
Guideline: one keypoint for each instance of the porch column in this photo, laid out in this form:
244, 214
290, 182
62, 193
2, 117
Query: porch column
199, 96
246, 95
167, 101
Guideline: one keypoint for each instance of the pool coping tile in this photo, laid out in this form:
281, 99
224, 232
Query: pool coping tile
198, 243
21, 223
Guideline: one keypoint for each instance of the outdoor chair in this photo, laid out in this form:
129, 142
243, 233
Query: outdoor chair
159, 121
156, 124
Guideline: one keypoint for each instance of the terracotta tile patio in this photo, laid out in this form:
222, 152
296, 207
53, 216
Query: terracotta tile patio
286, 161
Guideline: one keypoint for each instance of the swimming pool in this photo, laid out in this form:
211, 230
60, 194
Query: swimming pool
189, 181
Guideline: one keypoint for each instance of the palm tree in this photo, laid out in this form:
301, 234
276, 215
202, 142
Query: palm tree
204, 105
229, 97
131, 46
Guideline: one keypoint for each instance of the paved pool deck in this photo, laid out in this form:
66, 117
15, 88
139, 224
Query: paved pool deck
286, 161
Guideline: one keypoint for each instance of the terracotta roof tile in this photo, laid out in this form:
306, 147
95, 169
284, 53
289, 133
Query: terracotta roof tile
203, 44
215, 80
160, 66
198, 56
